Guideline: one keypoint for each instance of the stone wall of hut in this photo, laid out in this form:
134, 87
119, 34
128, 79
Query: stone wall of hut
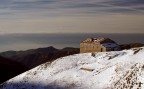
91, 47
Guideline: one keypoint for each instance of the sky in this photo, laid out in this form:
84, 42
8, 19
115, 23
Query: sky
71, 16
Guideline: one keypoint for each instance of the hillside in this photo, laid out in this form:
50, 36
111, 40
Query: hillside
34, 57
103, 70
9, 69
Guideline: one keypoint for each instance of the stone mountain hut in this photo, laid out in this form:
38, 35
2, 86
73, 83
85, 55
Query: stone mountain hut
98, 45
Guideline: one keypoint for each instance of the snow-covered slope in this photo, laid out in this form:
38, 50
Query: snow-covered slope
103, 70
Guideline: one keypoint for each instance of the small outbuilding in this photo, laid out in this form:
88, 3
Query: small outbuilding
98, 45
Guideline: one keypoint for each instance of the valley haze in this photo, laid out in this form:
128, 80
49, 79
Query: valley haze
19, 42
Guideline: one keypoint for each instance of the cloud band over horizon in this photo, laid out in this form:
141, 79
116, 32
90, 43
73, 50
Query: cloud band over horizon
71, 16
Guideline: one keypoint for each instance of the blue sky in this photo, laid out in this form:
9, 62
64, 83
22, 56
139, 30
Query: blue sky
71, 16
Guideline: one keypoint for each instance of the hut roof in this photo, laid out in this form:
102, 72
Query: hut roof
98, 40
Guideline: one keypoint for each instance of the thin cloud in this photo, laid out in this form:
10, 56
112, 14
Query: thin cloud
20, 8
71, 16
62, 4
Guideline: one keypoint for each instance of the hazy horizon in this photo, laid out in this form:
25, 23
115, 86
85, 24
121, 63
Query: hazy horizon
19, 42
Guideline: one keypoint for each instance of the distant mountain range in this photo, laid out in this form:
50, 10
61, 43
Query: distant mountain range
131, 45
34, 57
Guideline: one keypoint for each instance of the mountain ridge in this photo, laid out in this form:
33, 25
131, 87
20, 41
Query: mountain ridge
34, 57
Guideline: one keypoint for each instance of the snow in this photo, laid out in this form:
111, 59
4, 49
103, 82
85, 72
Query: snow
103, 70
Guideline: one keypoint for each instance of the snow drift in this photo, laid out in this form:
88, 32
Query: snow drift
102, 70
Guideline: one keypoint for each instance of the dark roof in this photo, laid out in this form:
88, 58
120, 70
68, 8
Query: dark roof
98, 40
